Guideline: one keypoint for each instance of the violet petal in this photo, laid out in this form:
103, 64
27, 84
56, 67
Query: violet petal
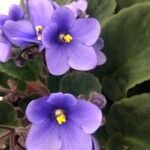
81, 57
5, 51
62, 100
86, 115
39, 110
101, 58
20, 32
57, 60
15, 13
74, 138
3, 18
86, 30
41, 12
64, 18
43, 136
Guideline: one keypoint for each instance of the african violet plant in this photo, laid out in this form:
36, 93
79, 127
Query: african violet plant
60, 60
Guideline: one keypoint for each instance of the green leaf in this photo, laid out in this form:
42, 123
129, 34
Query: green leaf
120, 142
21, 85
53, 83
28, 73
22, 4
127, 47
63, 2
8, 115
115, 143
126, 3
3, 79
101, 9
130, 118
80, 83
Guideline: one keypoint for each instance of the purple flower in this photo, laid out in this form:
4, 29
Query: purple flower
62, 122
79, 7
26, 32
15, 13
69, 42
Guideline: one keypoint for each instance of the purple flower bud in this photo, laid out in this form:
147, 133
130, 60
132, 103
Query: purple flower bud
78, 8
20, 62
98, 99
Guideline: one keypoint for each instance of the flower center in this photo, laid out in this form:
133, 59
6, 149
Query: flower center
39, 30
60, 116
66, 38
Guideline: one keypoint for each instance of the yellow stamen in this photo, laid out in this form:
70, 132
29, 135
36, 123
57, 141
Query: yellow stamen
61, 119
60, 116
39, 30
67, 38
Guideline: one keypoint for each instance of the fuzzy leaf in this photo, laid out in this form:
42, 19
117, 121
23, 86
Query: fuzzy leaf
127, 47
130, 118
120, 142
80, 83
126, 3
101, 9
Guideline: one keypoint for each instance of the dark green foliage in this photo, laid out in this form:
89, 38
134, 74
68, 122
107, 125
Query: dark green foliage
8, 115
80, 83
63, 2
30, 72
126, 3
101, 9
53, 83
127, 38
130, 118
